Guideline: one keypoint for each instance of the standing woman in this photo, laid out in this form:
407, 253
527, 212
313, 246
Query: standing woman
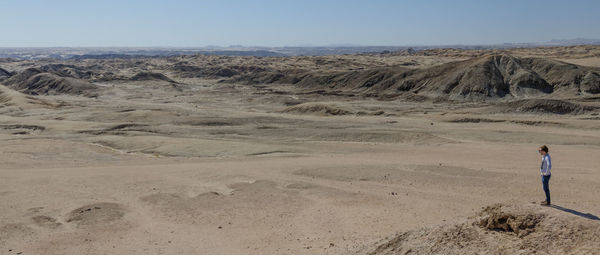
545, 170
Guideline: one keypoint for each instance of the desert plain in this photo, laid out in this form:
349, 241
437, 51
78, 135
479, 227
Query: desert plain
392, 153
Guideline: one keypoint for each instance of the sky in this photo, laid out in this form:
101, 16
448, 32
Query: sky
186, 23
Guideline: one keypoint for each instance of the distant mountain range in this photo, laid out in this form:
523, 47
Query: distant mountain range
239, 50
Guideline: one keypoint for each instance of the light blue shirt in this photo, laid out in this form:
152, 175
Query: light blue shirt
546, 165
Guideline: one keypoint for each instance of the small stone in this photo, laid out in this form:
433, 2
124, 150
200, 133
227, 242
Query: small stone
220, 227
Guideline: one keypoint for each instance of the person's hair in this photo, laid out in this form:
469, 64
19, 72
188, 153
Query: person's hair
544, 148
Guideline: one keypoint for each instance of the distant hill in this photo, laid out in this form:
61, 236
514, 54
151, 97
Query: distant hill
257, 51
571, 42
477, 79
150, 76
149, 54
34, 81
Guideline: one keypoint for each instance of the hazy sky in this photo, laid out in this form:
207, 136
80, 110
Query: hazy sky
41, 23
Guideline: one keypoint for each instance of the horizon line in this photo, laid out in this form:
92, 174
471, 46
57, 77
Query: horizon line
554, 42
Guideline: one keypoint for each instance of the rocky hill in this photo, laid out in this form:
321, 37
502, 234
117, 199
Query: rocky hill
479, 79
34, 81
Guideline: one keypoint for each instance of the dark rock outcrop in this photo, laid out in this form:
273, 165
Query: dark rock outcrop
33, 81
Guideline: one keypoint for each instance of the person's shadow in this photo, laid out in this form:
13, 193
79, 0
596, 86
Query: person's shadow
580, 214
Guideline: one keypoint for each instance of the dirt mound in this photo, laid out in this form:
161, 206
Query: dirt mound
46, 221
502, 229
518, 222
96, 214
318, 109
34, 81
150, 76
545, 106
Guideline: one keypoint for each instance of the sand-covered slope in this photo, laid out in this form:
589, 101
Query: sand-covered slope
11, 100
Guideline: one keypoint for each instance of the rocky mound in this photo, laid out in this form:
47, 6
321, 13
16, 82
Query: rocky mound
33, 81
188, 70
317, 109
150, 76
566, 76
503, 229
483, 78
4, 73
68, 71
24, 75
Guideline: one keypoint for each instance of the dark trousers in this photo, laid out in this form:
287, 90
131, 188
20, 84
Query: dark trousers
545, 181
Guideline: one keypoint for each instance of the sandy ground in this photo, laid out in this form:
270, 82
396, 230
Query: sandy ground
220, 169
594, 62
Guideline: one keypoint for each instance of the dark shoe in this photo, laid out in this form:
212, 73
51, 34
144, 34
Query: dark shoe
544, 203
